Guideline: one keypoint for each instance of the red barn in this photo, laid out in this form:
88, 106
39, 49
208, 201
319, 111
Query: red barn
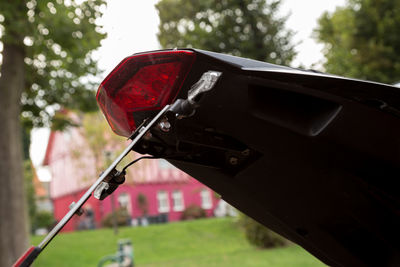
168, 191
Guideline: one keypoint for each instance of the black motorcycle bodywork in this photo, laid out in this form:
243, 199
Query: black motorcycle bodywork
314, 157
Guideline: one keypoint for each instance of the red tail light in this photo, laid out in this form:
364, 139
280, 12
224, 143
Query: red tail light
143, 82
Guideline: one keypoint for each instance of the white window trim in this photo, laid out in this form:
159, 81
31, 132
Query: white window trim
206, 200
125, 197
177, 194
162, 195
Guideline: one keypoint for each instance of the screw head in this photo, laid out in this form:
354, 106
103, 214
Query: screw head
233, 160
165, 126
246, 152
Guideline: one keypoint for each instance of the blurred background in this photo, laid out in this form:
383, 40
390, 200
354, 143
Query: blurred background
54, 142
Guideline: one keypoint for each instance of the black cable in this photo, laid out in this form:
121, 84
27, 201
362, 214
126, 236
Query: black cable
136, 160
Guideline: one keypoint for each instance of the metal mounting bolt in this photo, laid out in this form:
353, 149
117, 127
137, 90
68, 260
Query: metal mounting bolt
246, 152
233, 160
165, 126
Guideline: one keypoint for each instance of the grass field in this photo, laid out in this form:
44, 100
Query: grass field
208, 242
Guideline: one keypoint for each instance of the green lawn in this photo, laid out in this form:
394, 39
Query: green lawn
208, 242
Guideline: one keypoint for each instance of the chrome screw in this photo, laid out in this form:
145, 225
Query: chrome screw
165, 126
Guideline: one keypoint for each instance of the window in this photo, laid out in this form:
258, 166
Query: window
124, 200
206, 202
163, 203
177, 200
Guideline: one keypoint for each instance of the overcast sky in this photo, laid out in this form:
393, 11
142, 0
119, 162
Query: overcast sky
132, 26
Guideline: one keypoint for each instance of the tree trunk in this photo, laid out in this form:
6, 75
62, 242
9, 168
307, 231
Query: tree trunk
13, 216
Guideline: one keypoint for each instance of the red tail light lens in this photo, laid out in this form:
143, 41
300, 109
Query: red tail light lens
143, 82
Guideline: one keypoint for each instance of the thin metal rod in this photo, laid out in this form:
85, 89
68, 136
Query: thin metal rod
141, 132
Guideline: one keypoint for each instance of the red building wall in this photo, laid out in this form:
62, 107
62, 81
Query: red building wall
191, 191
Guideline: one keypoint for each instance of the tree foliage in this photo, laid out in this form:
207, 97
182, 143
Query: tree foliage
259, 235
101, 139
247, 28
193, 212
143, 203
57, 39
362, 40
121, 215
43, 219
46, 63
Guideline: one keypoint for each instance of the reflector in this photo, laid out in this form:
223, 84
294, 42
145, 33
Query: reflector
142, 82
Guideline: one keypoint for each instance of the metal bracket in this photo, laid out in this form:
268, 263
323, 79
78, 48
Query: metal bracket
109, 184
